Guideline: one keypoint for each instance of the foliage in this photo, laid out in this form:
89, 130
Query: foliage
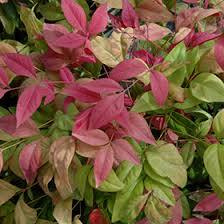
111, 112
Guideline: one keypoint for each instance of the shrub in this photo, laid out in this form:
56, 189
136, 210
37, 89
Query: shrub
119, 113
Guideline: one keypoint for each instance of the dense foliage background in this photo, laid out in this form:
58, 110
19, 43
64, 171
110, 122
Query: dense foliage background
111, 111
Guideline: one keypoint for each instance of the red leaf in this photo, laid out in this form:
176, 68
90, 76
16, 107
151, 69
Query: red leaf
198, 221
96, 217
103, 164
94, 137
30, 160
138, 128
129, 16
28, 103
124, 151
219, 52
66, 75
160, 87
209, 204
103, 86
74, 14
159, 122
3, 92
20, 64
106, 110
99, 20
70, 40
82, 94
1, 161
128, 69
4, 79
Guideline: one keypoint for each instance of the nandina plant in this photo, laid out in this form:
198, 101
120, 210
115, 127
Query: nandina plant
112, 112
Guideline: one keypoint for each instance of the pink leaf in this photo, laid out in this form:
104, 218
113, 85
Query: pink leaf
30, 160
202, 37
66, 75
124, 151
103, 164
160, 87
27, 129
129, 16
70, 40
4, 79
151, 32
94, 137
138, 128
54, 61
46, 90
74, 14
191, 1
1, 161
198, 221
99, 20
128, 69
20, 64
3, 92
82, 120
143, 221
176, 213
159, 122
80, 93
51, 32
103, 86
28, 103
106, 110
209, 204
219, 52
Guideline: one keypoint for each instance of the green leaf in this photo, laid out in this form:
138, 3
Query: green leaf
192, 58
63, 212
81, 176
65, 122
217, 189
154, 176
188, 152
51, 11
218, 124
111, 184
166, 161
6, 208
7, 23
88, 195
145, 103
181, 124
189, 102
33, 25
157, 212
24, 214
130, 176
185, 207
207, 87
175, 57
7, 191
204, 127
160, 191
214, 164
169, 3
